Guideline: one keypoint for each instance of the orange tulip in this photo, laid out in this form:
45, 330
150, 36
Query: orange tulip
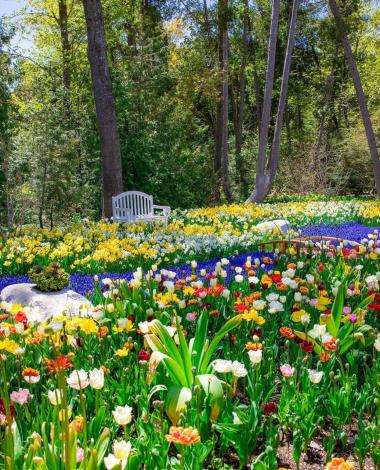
185, 436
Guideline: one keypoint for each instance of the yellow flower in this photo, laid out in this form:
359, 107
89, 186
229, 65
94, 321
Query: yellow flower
9, 345
298, 315
87, 325
253, 315
322, 303
188, 290
122, 352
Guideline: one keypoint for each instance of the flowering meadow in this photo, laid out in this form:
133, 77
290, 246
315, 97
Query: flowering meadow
192, 234
265, 361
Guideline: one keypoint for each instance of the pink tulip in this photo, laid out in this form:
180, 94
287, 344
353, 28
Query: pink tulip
21, 396
287, 370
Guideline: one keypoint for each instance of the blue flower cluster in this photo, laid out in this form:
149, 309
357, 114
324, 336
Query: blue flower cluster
350, 231
85, 284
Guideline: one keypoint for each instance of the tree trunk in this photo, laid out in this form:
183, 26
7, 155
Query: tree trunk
221, 135
65, 44
256, 81
262, 180
42, 200
240, 107
320, 163
359, 92
105, 109
275, 151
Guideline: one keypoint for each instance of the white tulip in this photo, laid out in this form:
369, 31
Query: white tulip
315, 376
255, 356
55, 397
78, 379
238, 369
122, 415
222, 366
96, 379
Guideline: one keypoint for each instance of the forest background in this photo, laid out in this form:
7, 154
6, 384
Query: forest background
167, 80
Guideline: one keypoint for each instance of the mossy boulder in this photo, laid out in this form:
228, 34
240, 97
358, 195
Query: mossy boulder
50, 278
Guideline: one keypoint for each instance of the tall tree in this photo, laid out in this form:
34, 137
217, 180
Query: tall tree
262, 179
65, 42
105, 109
371, 139
275, 150
221, 132
241, 101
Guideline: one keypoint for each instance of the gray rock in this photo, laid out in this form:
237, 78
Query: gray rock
270, 225
47, 304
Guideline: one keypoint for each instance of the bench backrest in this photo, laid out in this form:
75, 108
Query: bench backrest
132, 204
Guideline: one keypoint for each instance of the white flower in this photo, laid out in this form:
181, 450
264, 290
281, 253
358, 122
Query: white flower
275, 307
272, 297
255, 356
144, 326
317, 331
239, 278
315, 376
372, 282
194, 264
78, 379
122, 415
290, 273
377, 343
121, 451
96, 379
226, 293
107, 282
253, 280
222, 366
297, 296
238, 270
236, 419
309, 278
259, 305
55, 397
169, 286
238, 369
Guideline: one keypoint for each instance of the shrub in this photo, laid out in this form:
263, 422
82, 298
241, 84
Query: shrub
50, 278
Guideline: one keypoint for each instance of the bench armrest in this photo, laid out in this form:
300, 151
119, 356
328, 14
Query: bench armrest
165, 209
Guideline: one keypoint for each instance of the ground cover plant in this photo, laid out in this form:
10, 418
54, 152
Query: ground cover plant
266, 361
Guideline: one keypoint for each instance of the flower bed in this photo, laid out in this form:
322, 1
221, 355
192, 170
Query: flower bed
266, 362
91, 248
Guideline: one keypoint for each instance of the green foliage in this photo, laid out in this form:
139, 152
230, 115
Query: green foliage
164, 68
50, 278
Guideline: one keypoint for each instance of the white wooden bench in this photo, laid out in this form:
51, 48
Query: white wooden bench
135, 206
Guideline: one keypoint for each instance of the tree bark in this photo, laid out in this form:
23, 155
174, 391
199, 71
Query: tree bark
320, 163
275, 151
241, 102
65, 43
262, 179
359, 93
221, 134
105, 109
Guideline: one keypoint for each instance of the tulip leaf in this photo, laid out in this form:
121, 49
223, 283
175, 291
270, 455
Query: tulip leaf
212, 386
200, 340
228, 326
176, 402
